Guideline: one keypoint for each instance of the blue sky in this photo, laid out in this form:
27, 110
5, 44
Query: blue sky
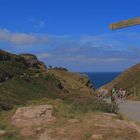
72, 33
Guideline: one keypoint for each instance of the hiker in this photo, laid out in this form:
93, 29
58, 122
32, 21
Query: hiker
114, 95
98, 95
102, 94
124, 94
120, 94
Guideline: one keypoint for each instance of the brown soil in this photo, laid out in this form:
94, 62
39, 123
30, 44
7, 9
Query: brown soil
93, 126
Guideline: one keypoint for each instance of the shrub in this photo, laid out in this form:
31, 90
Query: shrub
93, 104
5, 105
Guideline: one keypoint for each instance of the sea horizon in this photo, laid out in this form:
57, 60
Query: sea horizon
99, 79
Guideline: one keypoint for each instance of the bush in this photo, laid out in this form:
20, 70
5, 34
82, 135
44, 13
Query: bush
5, 106
93, 104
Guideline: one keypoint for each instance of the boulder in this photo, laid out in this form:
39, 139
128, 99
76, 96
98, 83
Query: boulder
2, 133
33, 115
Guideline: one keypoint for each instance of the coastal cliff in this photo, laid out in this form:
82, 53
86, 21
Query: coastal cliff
39, 103
24, 78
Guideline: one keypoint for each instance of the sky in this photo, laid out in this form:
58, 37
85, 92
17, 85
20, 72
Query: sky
72, 33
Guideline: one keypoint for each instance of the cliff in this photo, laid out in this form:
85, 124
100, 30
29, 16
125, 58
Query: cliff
40, 103
24, 78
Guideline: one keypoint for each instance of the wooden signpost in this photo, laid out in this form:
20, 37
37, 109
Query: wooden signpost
125, 23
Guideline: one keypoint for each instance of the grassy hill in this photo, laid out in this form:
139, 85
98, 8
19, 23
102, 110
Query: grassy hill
23, 78
128, 80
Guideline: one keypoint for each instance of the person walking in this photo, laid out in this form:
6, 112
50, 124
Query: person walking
114, 95
124, 95
120, 94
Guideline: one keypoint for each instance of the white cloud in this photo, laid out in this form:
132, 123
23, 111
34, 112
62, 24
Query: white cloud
39, 24
43, 55
110, 51
21, 38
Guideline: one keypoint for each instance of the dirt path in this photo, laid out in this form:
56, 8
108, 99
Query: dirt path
131, 109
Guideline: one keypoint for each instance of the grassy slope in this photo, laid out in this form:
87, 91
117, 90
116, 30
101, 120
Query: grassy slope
27, 83
128, 80
20, 88
69, 93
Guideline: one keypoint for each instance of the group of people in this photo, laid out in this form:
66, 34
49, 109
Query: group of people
118, 95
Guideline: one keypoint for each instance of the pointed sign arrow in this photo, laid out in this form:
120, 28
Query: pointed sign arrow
125, 23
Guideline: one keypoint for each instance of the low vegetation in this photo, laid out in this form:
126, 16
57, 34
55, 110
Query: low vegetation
25, 81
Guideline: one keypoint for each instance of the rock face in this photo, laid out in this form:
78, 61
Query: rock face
6, 56
32, 61
33, 115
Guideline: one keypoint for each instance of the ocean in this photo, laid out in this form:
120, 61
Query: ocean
101, 78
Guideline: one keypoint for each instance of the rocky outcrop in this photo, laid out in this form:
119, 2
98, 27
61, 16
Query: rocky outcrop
33, 115
6, 56
32, 61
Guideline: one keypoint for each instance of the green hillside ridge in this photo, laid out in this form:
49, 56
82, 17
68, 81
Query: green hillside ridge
128, 80
23, 79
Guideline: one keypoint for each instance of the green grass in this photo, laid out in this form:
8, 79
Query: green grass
28, 84
19, 89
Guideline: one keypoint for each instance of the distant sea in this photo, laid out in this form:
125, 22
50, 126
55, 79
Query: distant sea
101, 78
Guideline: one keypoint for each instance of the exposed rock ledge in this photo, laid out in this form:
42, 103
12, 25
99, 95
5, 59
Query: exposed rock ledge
33, 115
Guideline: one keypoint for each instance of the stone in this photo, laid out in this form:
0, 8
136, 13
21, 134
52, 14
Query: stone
97, 137
38, 129
32, 115
73, 120
2, 132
